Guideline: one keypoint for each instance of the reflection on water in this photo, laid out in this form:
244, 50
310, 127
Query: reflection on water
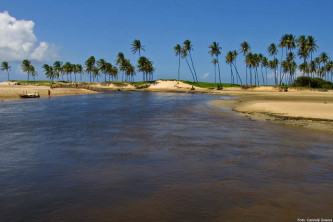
156, 157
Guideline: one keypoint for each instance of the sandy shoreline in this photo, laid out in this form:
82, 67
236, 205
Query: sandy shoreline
309, 109
10, 92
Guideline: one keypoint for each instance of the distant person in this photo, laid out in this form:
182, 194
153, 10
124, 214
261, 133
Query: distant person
49, 93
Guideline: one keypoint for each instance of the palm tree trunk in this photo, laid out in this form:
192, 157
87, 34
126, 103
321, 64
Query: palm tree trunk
218, 65
215, 73
179, 68
195, 73
188, 64
240, 79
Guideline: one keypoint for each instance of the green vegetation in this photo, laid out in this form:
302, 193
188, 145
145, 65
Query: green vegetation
36, 83
209, 85
316, 83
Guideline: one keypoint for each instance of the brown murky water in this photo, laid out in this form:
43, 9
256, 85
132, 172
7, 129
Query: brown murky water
157, 157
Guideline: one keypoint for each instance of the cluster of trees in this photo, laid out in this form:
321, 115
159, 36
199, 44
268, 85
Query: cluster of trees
258, 66
285, 69
92, 68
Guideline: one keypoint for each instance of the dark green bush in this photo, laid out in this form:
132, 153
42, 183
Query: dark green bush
316, 83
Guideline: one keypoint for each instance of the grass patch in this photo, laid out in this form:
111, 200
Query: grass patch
209, 85
36, 83
142, 85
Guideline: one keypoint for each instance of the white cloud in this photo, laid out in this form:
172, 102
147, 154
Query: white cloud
18, 41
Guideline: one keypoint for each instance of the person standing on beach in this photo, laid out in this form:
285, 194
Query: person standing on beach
49, 93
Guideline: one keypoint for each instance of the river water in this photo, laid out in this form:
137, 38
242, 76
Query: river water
131, 156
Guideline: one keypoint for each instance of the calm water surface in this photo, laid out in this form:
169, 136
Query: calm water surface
157, 157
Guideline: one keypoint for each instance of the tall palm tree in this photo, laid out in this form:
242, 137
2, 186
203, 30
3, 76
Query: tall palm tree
184, 55
245, 49
26, 67
57, 68
229, 58
303, 51
120, 62
49, 72
215, 52
137, 47
178, 52
90, 66
67, 69
128, 69
146, 67
312, 47
102, 66
273, 51
234, 63
188, 47
5, 67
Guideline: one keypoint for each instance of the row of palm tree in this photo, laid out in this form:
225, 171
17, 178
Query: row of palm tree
258, 66
93, 68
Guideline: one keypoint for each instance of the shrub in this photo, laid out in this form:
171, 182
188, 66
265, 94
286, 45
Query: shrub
316, 83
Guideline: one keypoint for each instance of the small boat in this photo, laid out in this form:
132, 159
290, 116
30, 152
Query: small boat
30, 95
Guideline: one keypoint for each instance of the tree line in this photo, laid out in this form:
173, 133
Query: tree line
284, 60
258, 66
92, 69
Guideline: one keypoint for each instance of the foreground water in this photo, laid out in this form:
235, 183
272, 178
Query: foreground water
157, 157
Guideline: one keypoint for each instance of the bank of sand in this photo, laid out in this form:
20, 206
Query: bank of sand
10, 91
306, 108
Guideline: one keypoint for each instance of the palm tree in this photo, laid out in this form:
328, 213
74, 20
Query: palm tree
90, 66
273, 51
188, 47
215, 52
128, 69
26, 67
57, 68
184, 55
245, 49
102, 66
137, 47
234, 63
120, 62
229, 58
178, 52
112, 71
67, 69
77, 69
49, 72
5, 67
311, 45
289, 66
146, 67
303, 51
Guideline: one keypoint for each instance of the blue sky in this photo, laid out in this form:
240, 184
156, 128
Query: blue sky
78, 29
